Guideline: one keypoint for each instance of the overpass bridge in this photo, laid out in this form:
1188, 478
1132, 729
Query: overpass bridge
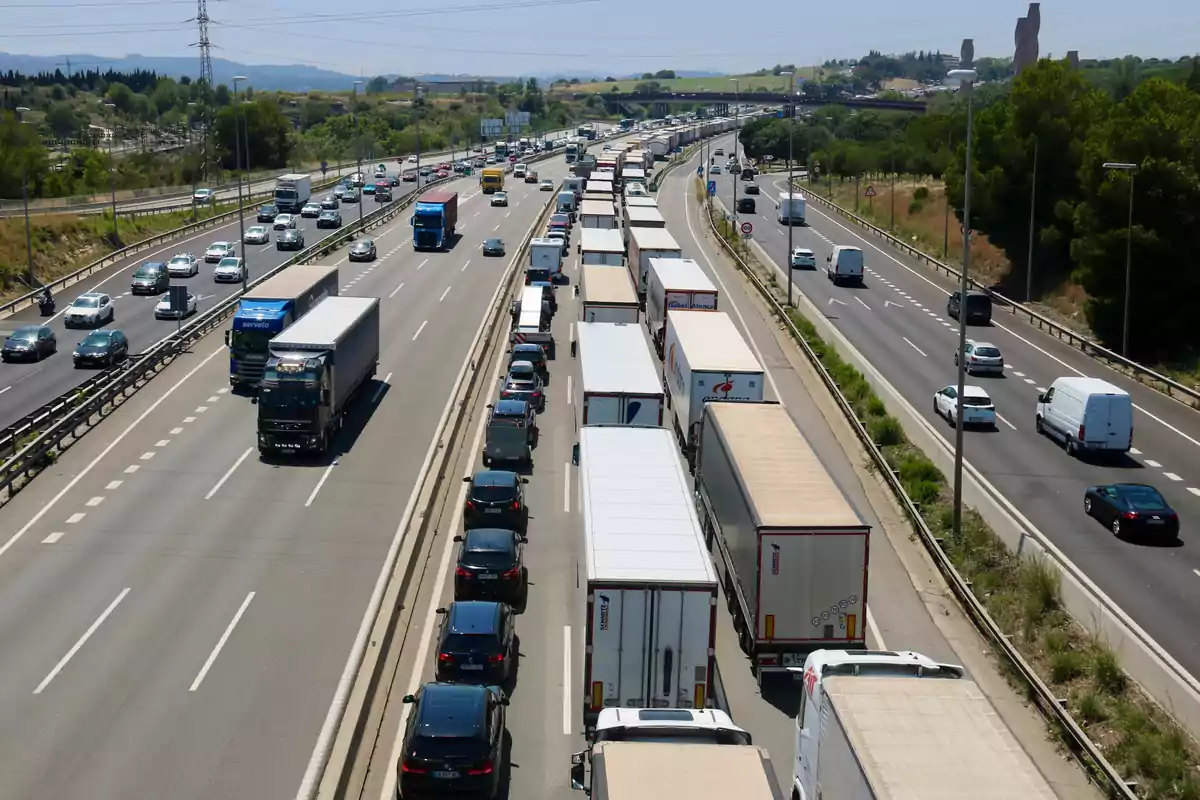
722, 101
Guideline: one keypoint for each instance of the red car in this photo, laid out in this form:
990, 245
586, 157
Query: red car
441, 173
443, 166
409, 177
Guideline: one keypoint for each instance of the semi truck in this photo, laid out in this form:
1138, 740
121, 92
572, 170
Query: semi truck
877, 725
706, 361
618, 383
265, 310
650, 620
316, 368
606, 294
791, 209
433, 219
491, 179
791, 552
292, 192
675, 284
645, 244
656, 770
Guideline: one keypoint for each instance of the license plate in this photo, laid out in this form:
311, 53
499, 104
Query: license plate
491, 511
1155, 521
442, 773
487, 577
472, 667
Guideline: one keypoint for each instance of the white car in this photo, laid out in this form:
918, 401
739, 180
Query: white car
258, 234
163, 309
977, 409
982, 357
412, 159
218, 250
203, 196
547, 185
500, 199
715, 169
230, 270
310, 210
285, 221
183, 265
803, 258
89, 310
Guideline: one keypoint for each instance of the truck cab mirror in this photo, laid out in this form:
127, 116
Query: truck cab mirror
575, 454
524, 480
467, 479
227, 337
325, 397
1041, 397
458, 538
578, 773
408, 698
524, 540
441, 610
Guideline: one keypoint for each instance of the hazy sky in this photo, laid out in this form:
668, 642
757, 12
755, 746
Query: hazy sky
583, 36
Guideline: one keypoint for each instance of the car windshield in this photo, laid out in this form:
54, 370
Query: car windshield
488, 559
328, 215
987, 352
521, 373
228, 262
362, 246
492, 494
1142, 498
438, 748
493, 242
96, 339
219, 247
87, 302
501, 196
147, 271
24, 335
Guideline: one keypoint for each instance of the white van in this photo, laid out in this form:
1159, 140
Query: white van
845, 265
519, 170
1087, 415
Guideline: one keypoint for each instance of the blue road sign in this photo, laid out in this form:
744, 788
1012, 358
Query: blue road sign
700, 171
712, 188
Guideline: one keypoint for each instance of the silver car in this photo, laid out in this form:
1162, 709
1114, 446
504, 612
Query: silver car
284, 222
218, 250
982, 357
258, 234
230, 270
183, 265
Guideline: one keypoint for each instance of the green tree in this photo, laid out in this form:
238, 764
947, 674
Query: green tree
19, 147
265, 128
62, 120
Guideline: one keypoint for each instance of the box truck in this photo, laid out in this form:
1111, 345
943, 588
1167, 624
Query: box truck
645, 244
618, 382
599, 246
624, 770
881, 725
706, 361
791, 208
315, 369
791, 551
597, 214
545, 260
675, 284
650, 620
606, 294
292, 192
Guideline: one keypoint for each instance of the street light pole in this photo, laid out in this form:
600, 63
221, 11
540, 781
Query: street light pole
737, 131
965, 78
189, 129
1132, 170
112, 171
358, 155
21, 111
1032, 206
789, 111
237, 167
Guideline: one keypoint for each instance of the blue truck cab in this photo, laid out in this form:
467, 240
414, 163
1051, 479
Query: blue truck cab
434, 217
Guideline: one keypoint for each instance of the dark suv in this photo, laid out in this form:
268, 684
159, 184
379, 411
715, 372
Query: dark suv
496, 499
491, 566
477, 642
529, 352
267, 213
524, 383
979, 307
453, 742
150, 278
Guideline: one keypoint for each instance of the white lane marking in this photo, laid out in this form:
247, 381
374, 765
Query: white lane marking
495, 229
94, 501
76, 517
1172, 476
162, 443
1040, 389
82, 641
398, 288
132, 468
5, 389
464, 266
221, 643
418, 333
422, 264
1006, 422
52, 538
569, 395
443, 297
1030, 381
223, 391
507, 214
566, 680
1197, 571
1150, 463
213, 399
1019, 374
567, 487
217, 486
176, 431
864, 305
147, 455
201, 409
1133, 451
320, 483
113, 485
835, 300
913, 346
189, 419
1194, 490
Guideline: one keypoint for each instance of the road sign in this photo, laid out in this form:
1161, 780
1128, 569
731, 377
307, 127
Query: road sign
712, 188
324, 168
700, 171
490, 128
747, 228
870, 192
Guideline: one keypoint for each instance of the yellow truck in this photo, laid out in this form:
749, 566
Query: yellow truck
491, 179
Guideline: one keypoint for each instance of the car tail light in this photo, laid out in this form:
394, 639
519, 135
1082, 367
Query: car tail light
445, 658
511, 573
496, 658
516, 506
537, 394
412, 769
470, 506
463, 573
1130, 515
483, 769
1082, 431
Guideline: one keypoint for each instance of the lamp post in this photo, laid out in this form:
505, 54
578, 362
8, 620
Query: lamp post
1032, 206
789, 114
1132, 170
237, 167
21, 111
189, 129
965, 78
737, 131
358, 153
112, 169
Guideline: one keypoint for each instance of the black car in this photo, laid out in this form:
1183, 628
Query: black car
979, 307
746, 205
531, 353
290, 239
329, 219
453, 742
150, 278
477, 642
493, 247
363, 250
268, 213
1132, 508
496, 499
491, 565
524, 383
29, 343
751, 188
104, 347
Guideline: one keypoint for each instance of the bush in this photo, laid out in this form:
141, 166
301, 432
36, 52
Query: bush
885, 431
921, 194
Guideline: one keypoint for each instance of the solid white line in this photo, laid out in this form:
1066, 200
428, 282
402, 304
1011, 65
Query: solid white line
379, 389
221, 643
228, 473
398, 288
317, 488
569, 394
443, 297
1006, 422
464, 266
418, 333
82, 640
566, 680
52, 538
913, 346
567, 487
864, 305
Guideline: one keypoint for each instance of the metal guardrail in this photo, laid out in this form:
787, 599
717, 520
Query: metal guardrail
1049, 704
1139, 372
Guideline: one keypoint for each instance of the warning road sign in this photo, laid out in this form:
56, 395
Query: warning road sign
747, 228
870, 191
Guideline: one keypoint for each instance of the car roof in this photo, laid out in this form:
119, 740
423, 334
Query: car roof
520, 365
25, 328
511, 408
474, 616
156, 264
491, 239
96, 295
975, 391
451, 710
529, 347
974, 343
489, 540
495, 477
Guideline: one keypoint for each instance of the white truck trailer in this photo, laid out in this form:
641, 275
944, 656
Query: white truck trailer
791, 551
599, 246
675, 284
881, 725
645, 244
292, 191
618, 382
706, 361
606, 294
791, 208
658, 770
650, 623
598, 214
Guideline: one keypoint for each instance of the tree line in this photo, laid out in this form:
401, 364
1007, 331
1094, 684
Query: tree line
1073, 124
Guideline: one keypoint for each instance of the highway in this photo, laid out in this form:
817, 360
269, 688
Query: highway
544, 717
898, 322
175, 613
